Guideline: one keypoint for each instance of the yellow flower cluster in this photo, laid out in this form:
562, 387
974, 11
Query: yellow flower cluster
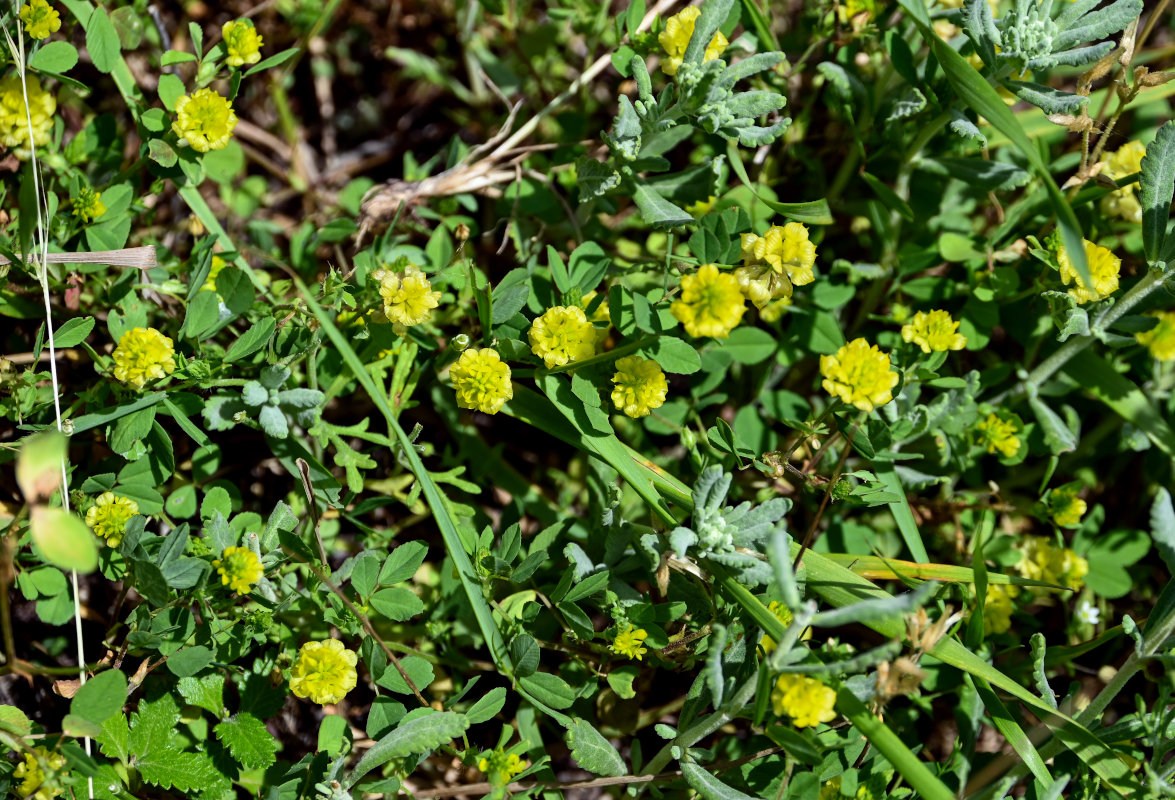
40, 19
109, 516
1041, 560
1124, 202
408, 297
1160, 340
998, 607
630, 642
239, 569
679, 29
711, 303
859, 374
88, 205
500, 767
774, 262
14, 122
482, 380
242, 43
1104, 267
205, 120
934, 331
143, 354
324, 672
999, 432
807, 701
562, 335
640, 386
1065, 507
32, 777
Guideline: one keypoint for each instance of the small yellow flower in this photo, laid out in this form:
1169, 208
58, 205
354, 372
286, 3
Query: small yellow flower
1160, 340
500, 767
1065, 507
859, 374
32, 778
1041, 560
806, 700
482, 380
109, 515
40, 19
998, 607
239, 569
630, 642
640, 386
562, 335
1104, 267
205, 120
143, 354
999, 432
934, 332
88, 205
785, 616
324, 672
772, 263
408, 297
1127, 160
218, 264
711, 303
675, 38
242, 42
14, 121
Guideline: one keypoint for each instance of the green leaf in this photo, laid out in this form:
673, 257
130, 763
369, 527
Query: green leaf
56, 56
170, 89
1057, 435
708, 786
274, 60
206, 692
487, 707
889, 198
674, 355
235, 287
1157, 184
402, 563
63, 540
73, 331
187, 662
1163, 527
248, 740
1007, 725
588, 586
525, 653
203, 315
114, 738
101, 697
657, 211
549, 689
1122, 396
172, 57
252, 340
415, 736
14, 721
419, 670
749, 345
397, 604
102, 41
592, 751
902, 512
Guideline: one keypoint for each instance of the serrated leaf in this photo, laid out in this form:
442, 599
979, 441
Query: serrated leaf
592, 751
709, 787
248, 740
113, 741
206, 692
594, 178
1157, 184
415, 736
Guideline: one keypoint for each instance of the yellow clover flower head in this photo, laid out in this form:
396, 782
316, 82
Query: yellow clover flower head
1041, 560
934, 331
807, 701
242, 42
772, 263
88, 205
1160, 340
408, 297
143, 354
998, 607
32, 784
562, 335
109, 515
482, 380
640, 386
859, 374
1104, 267
239, 569
324, 672
711, 303
1127, 160
14, 124
1065, 507
675, 38
40, 19
205, 120
630, 642
999, 433
500, 767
